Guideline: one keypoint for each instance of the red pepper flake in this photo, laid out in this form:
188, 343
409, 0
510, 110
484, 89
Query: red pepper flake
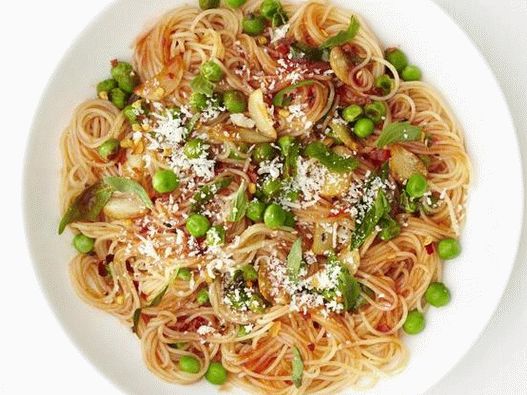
382, 327
101, 269
306, 315
430, 248
146, 318
311, 347
379, 156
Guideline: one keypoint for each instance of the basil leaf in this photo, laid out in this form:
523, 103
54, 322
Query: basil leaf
127, 185
240, 204
350, 289
201, 85
371, 219
294, 259
390, 228
329, 159
279, 19
399, 132
281, 99
88, 205
155, 302
344, 36
304, 51
206, 192
135, 320
298, 368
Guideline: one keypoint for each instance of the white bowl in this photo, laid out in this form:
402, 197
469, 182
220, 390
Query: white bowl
449, 61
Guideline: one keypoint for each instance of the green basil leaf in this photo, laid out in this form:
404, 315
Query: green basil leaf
192, 122
88, 205
206, 192
240, 204
127, 185
329, 159
279, 19
135, 320
155, 302
294, 259
344, 36
202, 85
371, 219
281, 99
399, 132
304, 51
390, 228
350, 289
298, 368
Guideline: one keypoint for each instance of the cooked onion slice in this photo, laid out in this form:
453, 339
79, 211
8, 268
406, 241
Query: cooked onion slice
403, 164
260, 115
341, 65
124, 206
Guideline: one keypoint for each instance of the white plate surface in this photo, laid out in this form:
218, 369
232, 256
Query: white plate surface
450, 62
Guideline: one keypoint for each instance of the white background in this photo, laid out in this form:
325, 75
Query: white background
35, 354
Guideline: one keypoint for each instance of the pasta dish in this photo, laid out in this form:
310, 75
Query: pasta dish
265, 195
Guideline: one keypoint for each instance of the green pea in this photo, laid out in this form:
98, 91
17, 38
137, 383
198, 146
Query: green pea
106, 86
165, 181
415, 322
448, 249
290, 220
385, 83
208, 4
242, 331
416, 186
83, 244
125, 76
271, 187
198, 101
178, 345
249, 273
197, 225
119, 98
292, 196
263, 152
411, 73
397, 58
216, 236
193, 149
376, 111
352, 113
235, 3
256, 304
253, 25
109, 148
234, 101
130, 113
274, 216
184, 274
255, 211
270, 8
211, 71
203, 296
437, 294
364, 127
216, 373
189, 364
